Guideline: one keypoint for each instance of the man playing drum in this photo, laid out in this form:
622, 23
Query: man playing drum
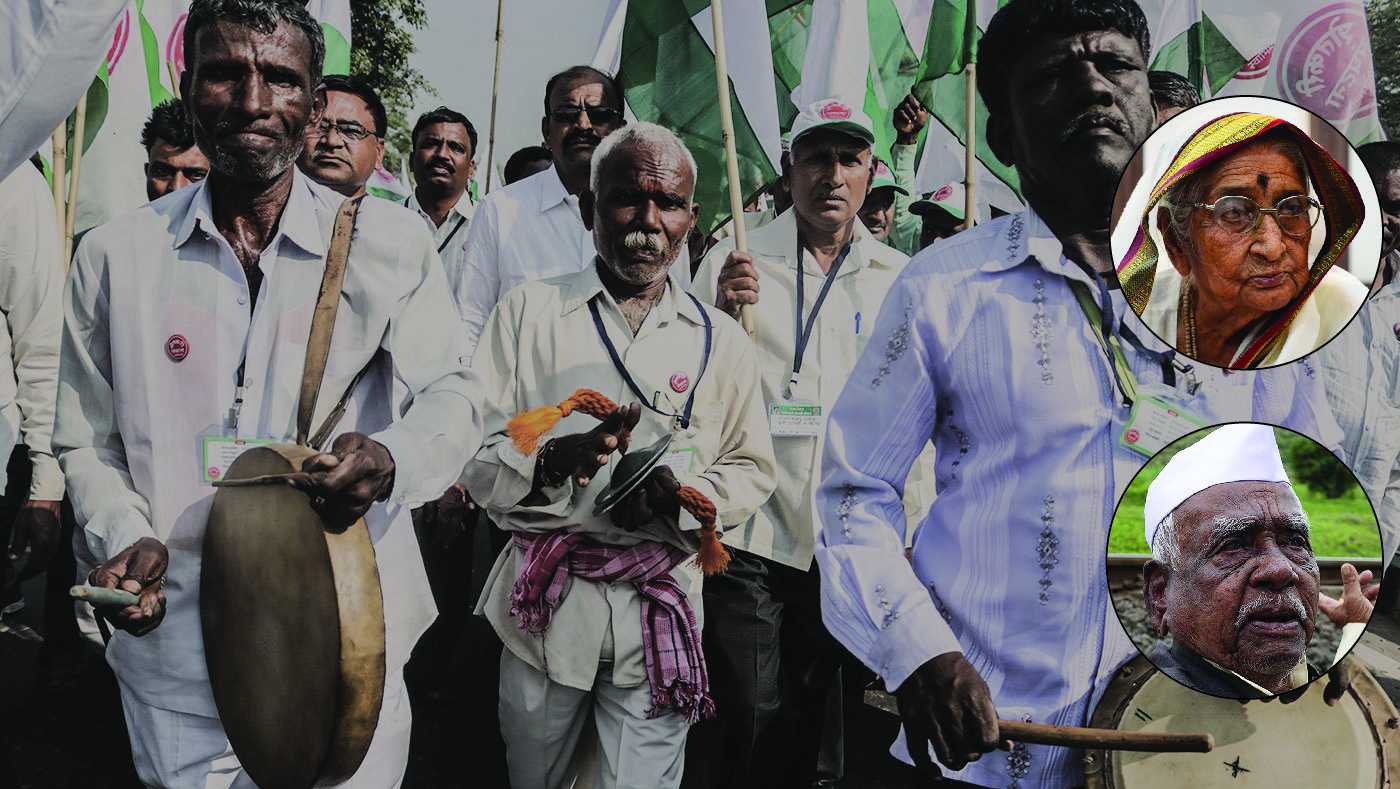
185, 331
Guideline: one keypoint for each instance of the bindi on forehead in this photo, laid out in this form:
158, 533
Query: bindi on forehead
1262, 180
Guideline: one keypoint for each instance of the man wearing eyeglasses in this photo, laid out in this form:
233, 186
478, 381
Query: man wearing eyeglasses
532, 230
346, 147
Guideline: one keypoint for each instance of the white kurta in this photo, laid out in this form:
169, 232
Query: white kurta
31, 319
131, 412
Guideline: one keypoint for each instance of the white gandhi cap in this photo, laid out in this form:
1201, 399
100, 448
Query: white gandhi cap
1233, 453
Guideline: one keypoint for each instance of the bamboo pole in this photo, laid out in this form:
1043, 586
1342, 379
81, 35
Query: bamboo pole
970, 153
60, 163
1107, 739
78, 120
731, 155
495, 89
174, 79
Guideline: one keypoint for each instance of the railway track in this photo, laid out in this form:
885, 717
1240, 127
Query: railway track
1125, 569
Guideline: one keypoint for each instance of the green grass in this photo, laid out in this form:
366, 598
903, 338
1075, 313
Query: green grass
1344, 526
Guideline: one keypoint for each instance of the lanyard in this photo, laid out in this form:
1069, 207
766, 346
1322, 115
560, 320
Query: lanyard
461, 220
1100, 320
683, 418
804, 334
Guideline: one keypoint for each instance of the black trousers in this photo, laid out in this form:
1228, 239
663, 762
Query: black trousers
771, 663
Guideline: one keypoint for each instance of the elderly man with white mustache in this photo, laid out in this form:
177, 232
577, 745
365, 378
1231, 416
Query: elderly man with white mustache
616, 638
1233, 577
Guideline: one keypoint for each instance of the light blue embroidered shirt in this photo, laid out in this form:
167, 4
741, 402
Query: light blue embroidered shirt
982, 348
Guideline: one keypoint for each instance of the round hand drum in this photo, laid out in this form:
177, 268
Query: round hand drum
1257, 743
293, 621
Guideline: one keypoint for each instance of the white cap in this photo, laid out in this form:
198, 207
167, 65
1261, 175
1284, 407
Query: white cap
833, 114
1244, 452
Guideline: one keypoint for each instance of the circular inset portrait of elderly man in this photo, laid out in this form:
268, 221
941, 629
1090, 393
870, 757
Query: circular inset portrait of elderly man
1244, 560
1242, 238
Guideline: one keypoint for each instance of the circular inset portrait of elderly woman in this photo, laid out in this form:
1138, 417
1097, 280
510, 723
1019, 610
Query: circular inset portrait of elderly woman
1244, 560
1247, 232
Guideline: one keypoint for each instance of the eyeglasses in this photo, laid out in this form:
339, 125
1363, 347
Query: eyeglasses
1239, 215
347, 129
598, 116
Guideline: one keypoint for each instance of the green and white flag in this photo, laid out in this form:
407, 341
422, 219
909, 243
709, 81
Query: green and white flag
662, 52
1313, 53
142, 67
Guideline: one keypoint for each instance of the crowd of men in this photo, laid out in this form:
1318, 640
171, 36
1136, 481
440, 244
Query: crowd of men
911, 463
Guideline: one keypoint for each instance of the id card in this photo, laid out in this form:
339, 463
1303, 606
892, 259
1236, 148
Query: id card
1153, 424
795, 417
682, 460
217, 454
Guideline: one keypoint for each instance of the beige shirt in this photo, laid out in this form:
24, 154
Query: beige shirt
539, 346
784, 529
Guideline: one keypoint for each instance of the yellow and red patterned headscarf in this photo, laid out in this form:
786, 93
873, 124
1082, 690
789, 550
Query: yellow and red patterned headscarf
1218, 139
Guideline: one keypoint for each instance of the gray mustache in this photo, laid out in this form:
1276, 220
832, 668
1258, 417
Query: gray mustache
640, 241
1287, 599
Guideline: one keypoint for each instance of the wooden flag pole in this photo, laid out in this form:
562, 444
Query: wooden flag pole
60, 163
79, 115
495, 89
970, 154
731, 154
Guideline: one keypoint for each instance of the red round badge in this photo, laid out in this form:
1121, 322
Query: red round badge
942, 194
836, 111
177, 348
1132, 437
680, 382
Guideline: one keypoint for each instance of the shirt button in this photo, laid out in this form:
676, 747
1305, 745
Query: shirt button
247, 381
242, 298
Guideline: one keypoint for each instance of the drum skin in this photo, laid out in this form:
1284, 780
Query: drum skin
1258, 743
293, 621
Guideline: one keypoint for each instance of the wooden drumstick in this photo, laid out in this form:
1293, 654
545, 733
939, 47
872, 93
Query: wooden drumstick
99, 595
248, 482
1107, 739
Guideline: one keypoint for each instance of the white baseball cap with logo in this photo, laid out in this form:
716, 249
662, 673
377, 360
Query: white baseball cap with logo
949, 198
833, 114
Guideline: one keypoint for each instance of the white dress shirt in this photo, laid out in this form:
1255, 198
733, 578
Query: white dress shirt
540, 346
525, 231
982, 348
783, 530
31, 320
449, 238
131, 414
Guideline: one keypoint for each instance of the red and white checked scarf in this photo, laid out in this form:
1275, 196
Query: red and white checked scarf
670, 636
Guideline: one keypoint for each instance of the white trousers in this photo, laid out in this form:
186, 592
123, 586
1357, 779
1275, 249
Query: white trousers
543, 721
181, 750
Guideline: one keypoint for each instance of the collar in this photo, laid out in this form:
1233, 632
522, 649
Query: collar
779, 239
584, 285
299, 222
551, 189
1025, 235
463, 207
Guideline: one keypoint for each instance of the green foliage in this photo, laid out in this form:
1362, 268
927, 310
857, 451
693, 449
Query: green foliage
1317, 468
1384, 19
1343, 525
381, 42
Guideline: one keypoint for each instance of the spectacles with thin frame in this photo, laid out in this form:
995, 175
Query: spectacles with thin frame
598, 116
1237, 215
347, 129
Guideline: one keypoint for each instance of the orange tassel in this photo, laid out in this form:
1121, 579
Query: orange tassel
713, 557
528, 427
